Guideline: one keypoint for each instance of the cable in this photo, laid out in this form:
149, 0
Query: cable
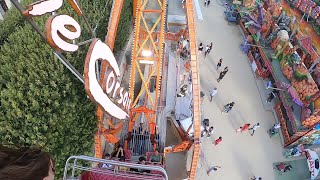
104, 9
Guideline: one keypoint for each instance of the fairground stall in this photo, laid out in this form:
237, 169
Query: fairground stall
278, 50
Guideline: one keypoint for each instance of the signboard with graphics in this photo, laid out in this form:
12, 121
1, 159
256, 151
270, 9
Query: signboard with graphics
100, 51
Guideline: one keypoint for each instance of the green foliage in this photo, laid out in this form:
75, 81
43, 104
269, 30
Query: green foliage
13, 20
124, 25
317, 2
42, 103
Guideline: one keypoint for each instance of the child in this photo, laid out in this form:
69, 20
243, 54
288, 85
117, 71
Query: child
217, 141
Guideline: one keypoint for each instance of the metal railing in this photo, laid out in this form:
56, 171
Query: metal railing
141, 143
73, 164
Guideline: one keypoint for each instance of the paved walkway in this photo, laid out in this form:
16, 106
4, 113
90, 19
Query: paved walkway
240, 155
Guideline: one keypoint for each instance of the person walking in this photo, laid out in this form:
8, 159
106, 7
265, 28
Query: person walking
210, 131
205, 125
222, 74
207, 51
203, 132
211, 44
182, 3
245, 127
256, 178
271, 96
219, 63
208, 3
254, 128
217, 141
213, 93
228, 107
205, 3
202, 96
200, 48
213, 168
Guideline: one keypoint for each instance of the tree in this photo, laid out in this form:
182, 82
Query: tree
42, 103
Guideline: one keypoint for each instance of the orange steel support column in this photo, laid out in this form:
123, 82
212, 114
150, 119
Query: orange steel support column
195, 86
135, 7
145, 39
114, 22
110, 39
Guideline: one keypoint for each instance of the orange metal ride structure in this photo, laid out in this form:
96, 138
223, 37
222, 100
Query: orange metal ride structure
109, 134
146, 39
155, 50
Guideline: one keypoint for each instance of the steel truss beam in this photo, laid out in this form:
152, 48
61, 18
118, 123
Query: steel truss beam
145, 8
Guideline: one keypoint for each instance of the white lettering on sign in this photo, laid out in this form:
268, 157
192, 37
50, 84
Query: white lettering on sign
311, 164
46, 6
100, 51
41, 7
61, 28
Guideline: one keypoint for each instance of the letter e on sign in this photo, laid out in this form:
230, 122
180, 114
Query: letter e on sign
59, 29
100, 51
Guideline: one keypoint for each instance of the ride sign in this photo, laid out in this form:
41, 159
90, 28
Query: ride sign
60, 31
99, 50
312, 157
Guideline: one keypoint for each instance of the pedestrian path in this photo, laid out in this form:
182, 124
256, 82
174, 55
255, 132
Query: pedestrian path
240, 155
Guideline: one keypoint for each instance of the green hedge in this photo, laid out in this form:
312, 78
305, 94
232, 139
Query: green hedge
13, 20
42, 103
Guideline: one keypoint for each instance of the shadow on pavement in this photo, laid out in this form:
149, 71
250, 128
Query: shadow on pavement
243, 166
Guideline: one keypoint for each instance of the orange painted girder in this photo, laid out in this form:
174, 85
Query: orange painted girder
144, 38
195, 85
110, 39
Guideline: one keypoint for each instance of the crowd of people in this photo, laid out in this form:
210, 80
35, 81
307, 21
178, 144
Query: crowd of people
118, 154
208, 130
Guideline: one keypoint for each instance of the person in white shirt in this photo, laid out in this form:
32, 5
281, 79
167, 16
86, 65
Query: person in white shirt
213, 93
210, 131
276, 126
105, 165
254, 128
207, 50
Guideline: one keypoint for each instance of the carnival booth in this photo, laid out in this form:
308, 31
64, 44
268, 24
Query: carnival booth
279, 51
